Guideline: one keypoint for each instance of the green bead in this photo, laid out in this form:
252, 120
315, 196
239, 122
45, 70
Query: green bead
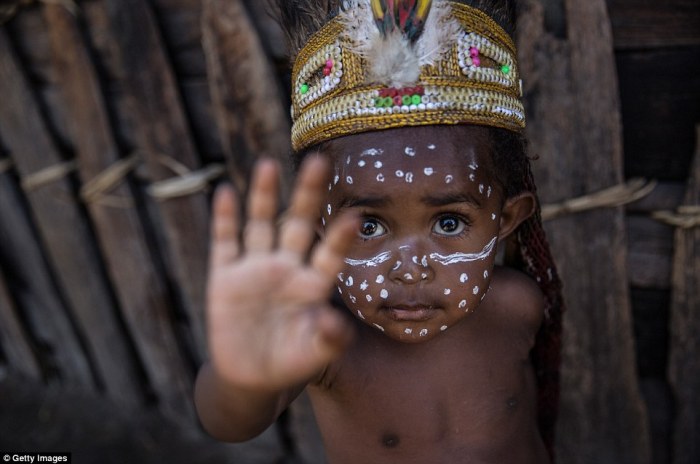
388, 102
406, 99
505, 69
378, 102
415, 99
304, 88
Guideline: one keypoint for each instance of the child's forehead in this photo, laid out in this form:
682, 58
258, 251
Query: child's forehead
441, 145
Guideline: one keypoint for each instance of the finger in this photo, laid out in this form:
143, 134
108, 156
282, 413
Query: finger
329, 256
225, 225
297, 232
332, 336
259, 232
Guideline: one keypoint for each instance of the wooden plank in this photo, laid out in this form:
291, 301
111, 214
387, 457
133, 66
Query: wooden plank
684, 360
13, 338
163, 137
69, 243
574, 125
145, 304
650, 251
650, 24
660, 95
248, 101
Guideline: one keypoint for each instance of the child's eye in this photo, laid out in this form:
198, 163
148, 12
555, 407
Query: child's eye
449, 225
371, 228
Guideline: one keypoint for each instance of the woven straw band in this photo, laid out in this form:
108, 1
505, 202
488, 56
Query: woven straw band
476, 81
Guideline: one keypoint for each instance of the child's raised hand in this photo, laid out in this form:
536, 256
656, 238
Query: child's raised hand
270, 325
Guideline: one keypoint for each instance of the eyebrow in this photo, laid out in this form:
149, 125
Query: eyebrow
450, 198
369, 201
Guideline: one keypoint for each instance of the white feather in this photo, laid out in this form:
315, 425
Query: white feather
393, 60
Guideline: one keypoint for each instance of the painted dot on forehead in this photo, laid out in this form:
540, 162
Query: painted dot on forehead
410, 151
428, 171
464, 277
372, 152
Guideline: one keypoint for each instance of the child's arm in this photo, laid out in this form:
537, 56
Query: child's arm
270, 327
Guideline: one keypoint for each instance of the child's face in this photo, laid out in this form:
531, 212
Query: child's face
424, 254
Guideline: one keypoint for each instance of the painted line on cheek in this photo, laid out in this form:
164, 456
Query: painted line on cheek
465, 257
443, 328
359, 313
371, 262
396, 266
379, 327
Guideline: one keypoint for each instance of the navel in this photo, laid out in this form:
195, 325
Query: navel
390, 440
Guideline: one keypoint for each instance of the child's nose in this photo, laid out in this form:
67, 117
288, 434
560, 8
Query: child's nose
411, 266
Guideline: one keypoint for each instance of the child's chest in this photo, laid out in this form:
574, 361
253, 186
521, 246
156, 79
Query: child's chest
452, 400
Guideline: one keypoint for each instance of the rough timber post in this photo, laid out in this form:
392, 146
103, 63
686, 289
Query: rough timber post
574, 127
684, 357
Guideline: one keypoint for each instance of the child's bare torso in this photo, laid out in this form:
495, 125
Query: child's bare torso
467, 396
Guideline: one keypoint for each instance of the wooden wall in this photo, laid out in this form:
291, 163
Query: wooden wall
116, 116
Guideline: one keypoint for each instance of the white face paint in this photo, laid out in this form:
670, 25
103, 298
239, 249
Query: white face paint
348, 179
408, 331
372, 152
447, 291
428, 171
431, 147
361, 316
370, 262
410, 151
448, 179
399, 173
378, 164
379, 327
384, 293
349, 282
476, 290
364, 285
465, 257
380, 279
443, 328
361, 163
464, 277
409, 177
380, 177
423, 332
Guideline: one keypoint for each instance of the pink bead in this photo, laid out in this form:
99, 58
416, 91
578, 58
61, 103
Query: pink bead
329, 63
473, 52
476, 61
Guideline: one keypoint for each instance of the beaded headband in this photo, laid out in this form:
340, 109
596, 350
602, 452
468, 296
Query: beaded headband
441, 62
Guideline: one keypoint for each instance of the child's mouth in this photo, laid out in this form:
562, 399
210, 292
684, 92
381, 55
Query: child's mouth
410, 313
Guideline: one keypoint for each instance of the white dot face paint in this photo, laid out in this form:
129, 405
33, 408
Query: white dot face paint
464, 277
428, 171
369, 298
472, 177
473, 166
431, 147
423, 332
443, 328
364, 285
463, 304
384, 294
408, 331
408, 276
360, 315
486, 274
379, 279
349, 180
380, 177
372, 152
410, 151
396, 266
448, 179
476, 290
447, 291
409, 177
378, 164
399, 173
349, 282
481, 189
329, 209
493, 216
361, 163
336, 179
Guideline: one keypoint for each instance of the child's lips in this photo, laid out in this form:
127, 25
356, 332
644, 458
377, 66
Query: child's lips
410, 313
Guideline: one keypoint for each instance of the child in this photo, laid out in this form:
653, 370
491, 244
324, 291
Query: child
416, 107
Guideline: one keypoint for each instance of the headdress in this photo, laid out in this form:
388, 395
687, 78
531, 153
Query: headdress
380, 64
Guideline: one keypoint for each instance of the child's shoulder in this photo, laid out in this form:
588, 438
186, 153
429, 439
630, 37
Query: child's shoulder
516, 297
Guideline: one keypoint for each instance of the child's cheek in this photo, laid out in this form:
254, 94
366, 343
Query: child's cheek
363, 289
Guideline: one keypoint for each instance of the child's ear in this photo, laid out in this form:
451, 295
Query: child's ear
514, 212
